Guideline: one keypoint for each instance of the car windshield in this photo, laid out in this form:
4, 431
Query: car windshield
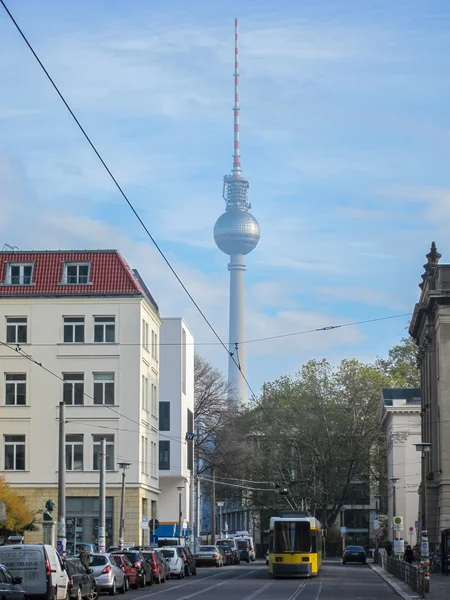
207, 549
243, 544
354, 549
168, 553
97, 561
131, 556
148, 556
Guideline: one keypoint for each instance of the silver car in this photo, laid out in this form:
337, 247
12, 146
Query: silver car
108, 576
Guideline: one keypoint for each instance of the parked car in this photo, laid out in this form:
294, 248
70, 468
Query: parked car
251, 544
158, 569
131, 574
81, 581
234, 546
354, 554
244, 550
87, 547
267, 557
108, 576
45, 573
140, 564
11, 587
175, 558
190, 568
228, 556
164, 562
208, 555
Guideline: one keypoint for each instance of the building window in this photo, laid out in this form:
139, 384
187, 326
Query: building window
76, 273
15, 389
144, 392
19, 274
183, 361
14, 452
16, 330
154, 399
164, 455
164, 416
144, 460
190, 446
74, 452
109, 452
154, 345
103, 388
74, 330
153, 460
145, 334
104, 330
73, 389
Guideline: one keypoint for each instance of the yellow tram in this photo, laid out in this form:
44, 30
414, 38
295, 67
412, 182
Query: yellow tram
295, 546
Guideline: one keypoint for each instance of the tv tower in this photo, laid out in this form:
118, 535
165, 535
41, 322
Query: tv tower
236, 233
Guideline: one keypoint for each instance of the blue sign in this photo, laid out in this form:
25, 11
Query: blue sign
153, 539
189, 436
375, 517
59, 547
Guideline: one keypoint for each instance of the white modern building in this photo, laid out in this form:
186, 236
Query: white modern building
92, 329
401, 417
176, 419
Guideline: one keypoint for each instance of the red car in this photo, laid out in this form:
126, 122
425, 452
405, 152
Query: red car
158, 569
131, 574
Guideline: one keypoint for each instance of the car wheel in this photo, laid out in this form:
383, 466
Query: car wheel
113, 590
123, 588
79, 596
194, 572
247, 561
142, 580
180, 575
135, 586
94, 593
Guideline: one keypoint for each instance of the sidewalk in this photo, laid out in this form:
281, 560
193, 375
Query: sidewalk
439, 585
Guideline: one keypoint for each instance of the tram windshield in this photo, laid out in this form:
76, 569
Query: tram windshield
292, 536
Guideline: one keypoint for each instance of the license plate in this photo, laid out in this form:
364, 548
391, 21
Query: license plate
355, 553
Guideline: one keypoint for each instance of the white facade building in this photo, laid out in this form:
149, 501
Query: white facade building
176, 410
94, 326
400, 416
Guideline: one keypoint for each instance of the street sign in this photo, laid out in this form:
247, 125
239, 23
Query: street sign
376, 525
144, 525
226, 527
154, 539
189, 436
59, 546
411, 529
398, 524
375, 517
416, 524
154, 524
184, 524
2, 511
343, 529
144, 519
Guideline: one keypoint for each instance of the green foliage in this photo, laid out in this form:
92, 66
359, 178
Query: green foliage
400, 365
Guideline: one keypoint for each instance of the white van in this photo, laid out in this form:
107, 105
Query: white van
39, 566
249, 539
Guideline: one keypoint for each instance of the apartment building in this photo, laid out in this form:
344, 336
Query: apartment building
176, 419
91, 328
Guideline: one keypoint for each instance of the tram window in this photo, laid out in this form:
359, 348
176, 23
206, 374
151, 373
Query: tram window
292, 537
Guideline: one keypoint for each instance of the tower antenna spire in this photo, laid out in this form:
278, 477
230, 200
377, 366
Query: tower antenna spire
236, 171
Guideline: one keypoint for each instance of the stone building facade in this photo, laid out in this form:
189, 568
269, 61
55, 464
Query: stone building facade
430, 328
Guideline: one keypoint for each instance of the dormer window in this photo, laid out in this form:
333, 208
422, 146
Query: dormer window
76, 273
19, 273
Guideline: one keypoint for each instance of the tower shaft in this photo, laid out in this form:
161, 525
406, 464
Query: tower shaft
236, 374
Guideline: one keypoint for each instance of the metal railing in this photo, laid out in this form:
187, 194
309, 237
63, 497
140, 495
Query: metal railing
412, 574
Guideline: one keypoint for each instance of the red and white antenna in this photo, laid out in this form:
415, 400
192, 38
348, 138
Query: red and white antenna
236, 170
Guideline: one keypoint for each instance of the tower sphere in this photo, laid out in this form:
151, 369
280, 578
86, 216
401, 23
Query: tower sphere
236, 232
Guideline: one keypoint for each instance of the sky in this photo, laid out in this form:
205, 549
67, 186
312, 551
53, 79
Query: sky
345, 139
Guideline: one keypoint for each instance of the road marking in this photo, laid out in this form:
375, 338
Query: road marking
180, 586
320, 589
217, 585
259, 591
299, 590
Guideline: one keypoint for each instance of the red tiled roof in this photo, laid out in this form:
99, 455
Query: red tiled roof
109, 274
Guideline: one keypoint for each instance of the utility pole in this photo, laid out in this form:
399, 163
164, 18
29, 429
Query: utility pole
124, 466
220, 505
213, 507
191, 506
102, 496
197, 513
61, 542
180, 513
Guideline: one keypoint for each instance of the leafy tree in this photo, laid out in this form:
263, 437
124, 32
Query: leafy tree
19, 517
400, 366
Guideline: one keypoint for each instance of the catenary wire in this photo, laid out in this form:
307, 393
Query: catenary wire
121, 191
262, 339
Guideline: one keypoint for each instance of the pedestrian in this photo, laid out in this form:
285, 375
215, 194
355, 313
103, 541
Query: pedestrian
84, 557
409, 554
389, 548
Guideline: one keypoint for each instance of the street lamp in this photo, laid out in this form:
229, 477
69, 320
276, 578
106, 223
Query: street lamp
393, 480
180, 488
124, 466
423, 447
220, 504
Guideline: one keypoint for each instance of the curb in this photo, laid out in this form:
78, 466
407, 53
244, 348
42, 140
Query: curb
393, 584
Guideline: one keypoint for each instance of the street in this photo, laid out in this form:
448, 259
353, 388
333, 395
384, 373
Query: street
245, 582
